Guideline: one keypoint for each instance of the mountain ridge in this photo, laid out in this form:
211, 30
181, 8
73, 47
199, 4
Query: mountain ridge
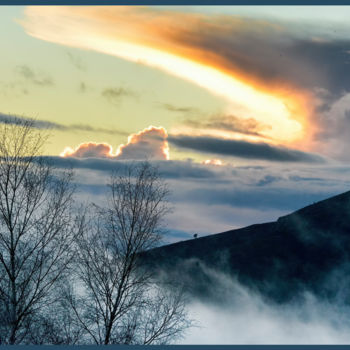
298, 252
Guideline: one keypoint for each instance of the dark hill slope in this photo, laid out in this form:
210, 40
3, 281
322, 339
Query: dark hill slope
306, 250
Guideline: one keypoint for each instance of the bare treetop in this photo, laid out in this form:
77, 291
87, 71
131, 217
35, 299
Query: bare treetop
137, 207
121, 303
37, 229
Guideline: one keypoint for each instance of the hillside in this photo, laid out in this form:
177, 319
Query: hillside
306, 250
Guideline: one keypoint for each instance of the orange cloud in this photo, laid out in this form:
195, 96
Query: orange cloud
150, 143
89, 150
177, 44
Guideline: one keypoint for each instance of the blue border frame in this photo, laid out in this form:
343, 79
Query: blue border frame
181, 3
179, 347
177, 2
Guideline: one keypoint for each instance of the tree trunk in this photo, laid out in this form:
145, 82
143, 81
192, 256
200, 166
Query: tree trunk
13, 302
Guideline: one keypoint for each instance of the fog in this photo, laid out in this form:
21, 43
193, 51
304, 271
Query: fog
244, 317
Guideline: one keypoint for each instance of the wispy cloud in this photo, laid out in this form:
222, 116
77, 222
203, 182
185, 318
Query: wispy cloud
82, 87
39, 124
172, 108
76, 61
41, 79
229, 123
115, 95
89, 128
45, 124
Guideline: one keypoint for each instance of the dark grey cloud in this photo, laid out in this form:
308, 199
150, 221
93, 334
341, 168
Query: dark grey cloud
186, 169
231, 123
173, 108
168, 169
273, 52
33, 77
98, 164
38, 124
298, 178
267, 180
254, 167
115, 95
243, 149
45, 124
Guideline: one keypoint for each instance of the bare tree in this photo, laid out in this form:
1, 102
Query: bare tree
118, 302
37, 229
56, 323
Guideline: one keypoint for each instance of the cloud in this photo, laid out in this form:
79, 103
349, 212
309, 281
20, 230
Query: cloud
150, 143
82, 87
230, 123
255, 188
279, 197
243, 316
89, 150
92, 129
269, 179
217, 162
210, 199
172, 42
267, 50
332, 137
76, 61
171, 108
272, 53
115, 95
171, 169
45, 124
301, 64
38, 124
243, 149
36, 78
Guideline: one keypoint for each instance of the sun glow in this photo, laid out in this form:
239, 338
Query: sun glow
244, 100
216, 162
284, 113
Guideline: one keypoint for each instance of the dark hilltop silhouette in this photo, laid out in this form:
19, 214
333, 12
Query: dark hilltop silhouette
307, 250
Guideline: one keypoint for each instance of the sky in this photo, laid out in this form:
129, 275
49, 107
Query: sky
244, 109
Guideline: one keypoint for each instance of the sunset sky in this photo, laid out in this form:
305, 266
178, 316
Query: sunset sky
245, 109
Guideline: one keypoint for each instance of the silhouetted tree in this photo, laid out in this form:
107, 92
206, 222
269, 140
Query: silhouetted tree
37, 231
118, 302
